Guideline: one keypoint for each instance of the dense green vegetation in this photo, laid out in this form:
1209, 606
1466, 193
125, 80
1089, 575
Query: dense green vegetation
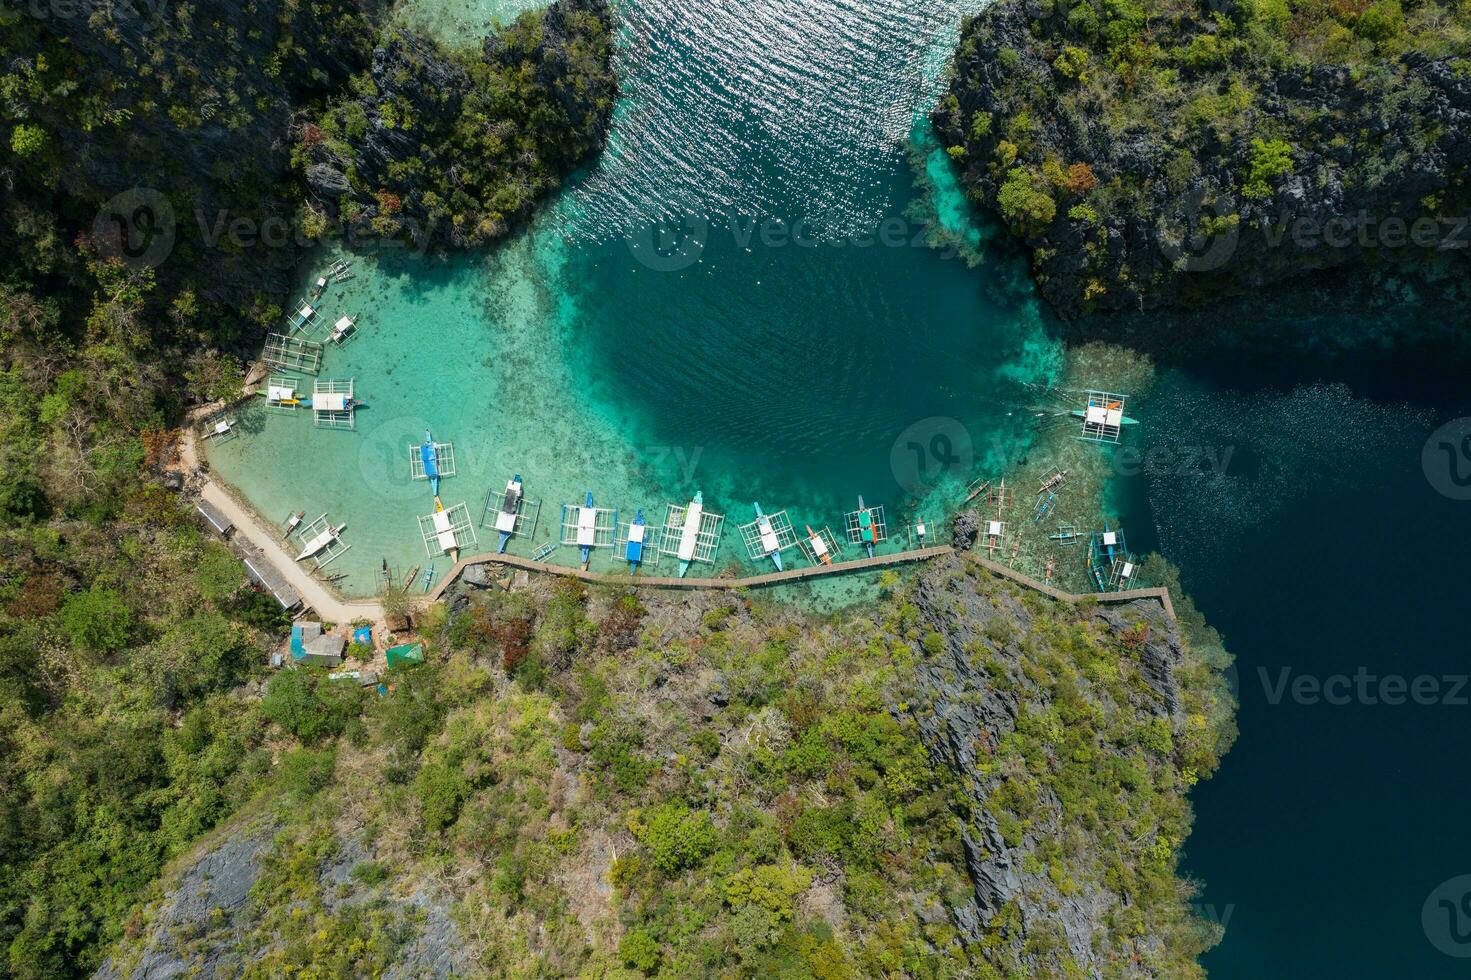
733, 791
120, 645
124, 637
477, 138
1189, 118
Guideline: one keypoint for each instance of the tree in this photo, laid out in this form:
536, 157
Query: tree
27, 140
213, 376
97, 620
1024, 201
1270, 159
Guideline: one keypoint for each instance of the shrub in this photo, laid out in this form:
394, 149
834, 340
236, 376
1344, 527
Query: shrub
771, 887
1024, 202
27, 140
639, 950
675, 836
304, 771
1072, 63
97, 620
1270, 159
219, 574
1382, 22
309, 707
442, 789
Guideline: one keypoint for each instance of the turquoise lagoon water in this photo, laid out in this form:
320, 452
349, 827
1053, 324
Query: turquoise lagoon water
602, 350
737, 299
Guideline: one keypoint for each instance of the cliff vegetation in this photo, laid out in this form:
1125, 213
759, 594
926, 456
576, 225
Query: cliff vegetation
1152, 152
961, 781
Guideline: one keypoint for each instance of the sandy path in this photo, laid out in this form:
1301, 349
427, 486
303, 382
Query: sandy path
314, 593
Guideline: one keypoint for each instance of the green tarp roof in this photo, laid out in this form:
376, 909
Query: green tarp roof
406, 655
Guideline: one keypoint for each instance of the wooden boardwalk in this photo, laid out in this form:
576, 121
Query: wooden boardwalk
796, 575
330, 605
664, 582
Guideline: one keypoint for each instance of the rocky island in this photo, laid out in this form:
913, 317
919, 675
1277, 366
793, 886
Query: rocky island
961, 777
968, 780
1159, 152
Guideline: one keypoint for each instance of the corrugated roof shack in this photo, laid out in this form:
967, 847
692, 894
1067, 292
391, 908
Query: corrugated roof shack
266, 575
214, 518
310, 647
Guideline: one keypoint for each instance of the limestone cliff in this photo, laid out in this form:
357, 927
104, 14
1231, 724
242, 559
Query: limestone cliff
1163, 152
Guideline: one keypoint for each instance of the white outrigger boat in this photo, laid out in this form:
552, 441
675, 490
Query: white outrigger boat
770, 544
317, 544
689, 536
505, 521
345, 325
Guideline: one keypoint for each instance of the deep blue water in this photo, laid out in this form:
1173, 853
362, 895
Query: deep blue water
792, 371
1327, 552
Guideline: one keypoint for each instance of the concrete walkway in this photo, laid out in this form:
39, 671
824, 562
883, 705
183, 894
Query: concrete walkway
314, 593
800, 575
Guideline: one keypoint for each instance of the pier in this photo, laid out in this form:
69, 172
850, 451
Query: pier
797, 575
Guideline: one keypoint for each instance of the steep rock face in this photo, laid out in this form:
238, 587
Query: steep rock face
974, 691
1182, 202
210, 924
446, 148
188, 109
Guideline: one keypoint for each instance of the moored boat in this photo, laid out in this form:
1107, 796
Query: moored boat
505, 521
690, 534
768, 536
321, 541
819, 546
865, 526
634, 550
587, 530
429, 455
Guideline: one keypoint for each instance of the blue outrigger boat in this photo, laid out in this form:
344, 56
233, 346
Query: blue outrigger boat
634, 549
1044, 506
430, 457
865, 526
768, 536
505, 521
